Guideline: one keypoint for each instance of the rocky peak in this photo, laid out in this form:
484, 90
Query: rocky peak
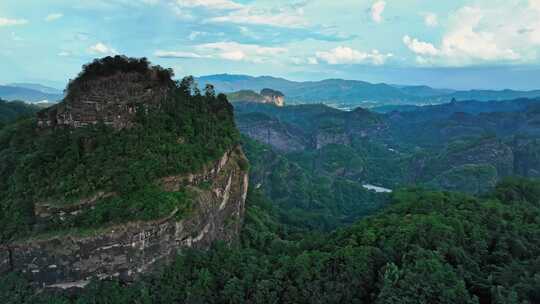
109, 90
273, 97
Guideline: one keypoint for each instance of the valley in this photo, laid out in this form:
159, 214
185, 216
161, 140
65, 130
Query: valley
269, 152
176, 195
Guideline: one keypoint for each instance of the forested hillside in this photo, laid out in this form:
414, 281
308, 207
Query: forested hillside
463, 146
313, 233
115, 170
428, 247
10, 111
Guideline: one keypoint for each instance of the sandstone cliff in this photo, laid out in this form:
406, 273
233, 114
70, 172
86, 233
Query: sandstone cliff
108, 97
266, 96
273, 97
125, 251
150, 141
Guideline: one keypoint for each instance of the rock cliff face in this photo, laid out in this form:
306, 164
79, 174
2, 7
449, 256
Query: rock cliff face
112, 100
273, 97
125, 251
266, 96
113, 91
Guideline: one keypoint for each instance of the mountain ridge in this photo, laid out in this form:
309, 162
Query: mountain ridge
356, 92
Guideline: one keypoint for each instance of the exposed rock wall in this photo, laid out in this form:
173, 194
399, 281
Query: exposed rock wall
273, 97
113, 100
125, 251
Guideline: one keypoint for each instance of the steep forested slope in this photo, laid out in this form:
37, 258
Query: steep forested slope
428, 247
464, 146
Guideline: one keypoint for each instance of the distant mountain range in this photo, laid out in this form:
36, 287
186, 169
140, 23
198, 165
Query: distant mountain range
340, 93
351, 93
30, 92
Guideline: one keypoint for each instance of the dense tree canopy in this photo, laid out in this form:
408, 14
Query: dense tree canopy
63, 165
428, 247
10, 111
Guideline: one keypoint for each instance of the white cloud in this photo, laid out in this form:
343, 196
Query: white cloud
12, 22
281, 18
64, 54
103, 49
346, 55
241, 52
377, 10
420, 47
431, 19
53, 17
227, 11
174, 54
233, 55
210, 4
501, 33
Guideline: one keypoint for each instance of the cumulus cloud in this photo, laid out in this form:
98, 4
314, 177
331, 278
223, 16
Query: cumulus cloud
241, 52
53, 17
102, 49
377, 10
12, 22
420, 47
346, 55
476, 35
431, 19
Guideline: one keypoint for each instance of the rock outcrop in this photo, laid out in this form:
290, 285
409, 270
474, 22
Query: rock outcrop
111, 99
273, 97
266, 96
113, 91
125, 251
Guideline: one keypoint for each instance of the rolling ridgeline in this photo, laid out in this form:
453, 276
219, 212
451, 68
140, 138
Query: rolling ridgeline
311, 232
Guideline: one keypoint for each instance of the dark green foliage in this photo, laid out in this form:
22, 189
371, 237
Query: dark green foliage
245, 96
306, 195
109, 66
461, 146
10, 111
428, 247
145, 204
62, 166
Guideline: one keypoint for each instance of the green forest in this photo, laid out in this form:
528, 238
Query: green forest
427, 247
468, 232
11, 111
62, 166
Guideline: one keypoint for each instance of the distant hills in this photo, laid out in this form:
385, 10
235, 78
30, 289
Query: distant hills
340, 93
30, 92
351, 93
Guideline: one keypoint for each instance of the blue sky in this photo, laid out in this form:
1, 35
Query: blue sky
454, 44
